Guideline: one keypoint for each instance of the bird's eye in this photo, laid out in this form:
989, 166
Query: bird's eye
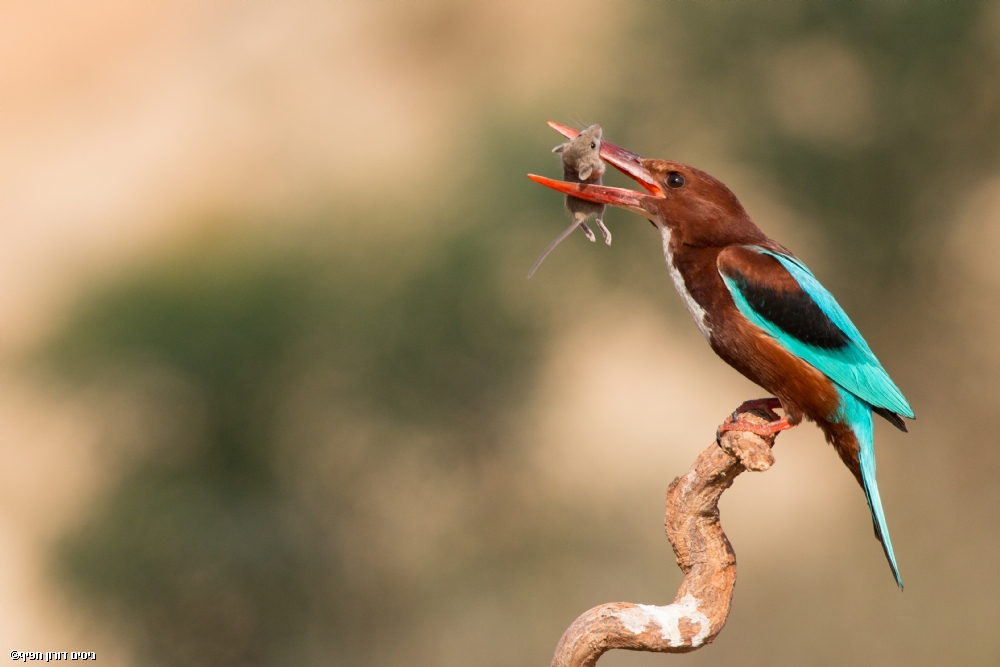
675, 180
593, 144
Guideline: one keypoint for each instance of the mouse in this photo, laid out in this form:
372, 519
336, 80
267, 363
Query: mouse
581, 159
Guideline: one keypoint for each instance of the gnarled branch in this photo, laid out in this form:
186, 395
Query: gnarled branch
703, 552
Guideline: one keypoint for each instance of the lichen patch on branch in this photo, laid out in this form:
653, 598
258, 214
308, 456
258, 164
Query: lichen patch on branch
638, 618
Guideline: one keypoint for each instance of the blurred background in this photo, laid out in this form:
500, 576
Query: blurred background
276, 390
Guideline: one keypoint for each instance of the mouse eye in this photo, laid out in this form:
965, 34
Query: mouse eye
675, 180
593, 144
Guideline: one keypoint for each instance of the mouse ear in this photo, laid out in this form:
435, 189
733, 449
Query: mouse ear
560, 148
585, 172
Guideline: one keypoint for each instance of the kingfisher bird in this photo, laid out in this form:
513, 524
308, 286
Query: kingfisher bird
762, 311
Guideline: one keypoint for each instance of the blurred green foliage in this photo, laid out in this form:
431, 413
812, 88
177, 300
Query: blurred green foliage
935, 117
211, 552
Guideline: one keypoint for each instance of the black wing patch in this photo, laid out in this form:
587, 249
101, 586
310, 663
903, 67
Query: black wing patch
794, 312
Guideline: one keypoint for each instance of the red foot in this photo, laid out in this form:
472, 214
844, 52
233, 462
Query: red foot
769, 428
776, 425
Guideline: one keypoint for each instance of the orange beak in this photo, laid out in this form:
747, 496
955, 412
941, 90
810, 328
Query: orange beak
624, 161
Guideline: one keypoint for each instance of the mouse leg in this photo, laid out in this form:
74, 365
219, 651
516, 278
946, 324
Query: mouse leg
604, 230
586, 230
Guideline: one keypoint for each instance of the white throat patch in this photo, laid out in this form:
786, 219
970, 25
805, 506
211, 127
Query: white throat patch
693, 307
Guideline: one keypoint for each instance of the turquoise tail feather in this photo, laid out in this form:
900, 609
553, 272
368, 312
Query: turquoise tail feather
858, 415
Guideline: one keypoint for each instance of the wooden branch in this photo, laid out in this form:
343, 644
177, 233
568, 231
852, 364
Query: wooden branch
703, 552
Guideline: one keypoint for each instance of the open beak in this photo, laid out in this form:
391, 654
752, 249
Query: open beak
621, 159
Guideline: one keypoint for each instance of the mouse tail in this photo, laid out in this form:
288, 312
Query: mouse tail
559, 239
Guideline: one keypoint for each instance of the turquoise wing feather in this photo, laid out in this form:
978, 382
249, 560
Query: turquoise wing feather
853, 366
817, 330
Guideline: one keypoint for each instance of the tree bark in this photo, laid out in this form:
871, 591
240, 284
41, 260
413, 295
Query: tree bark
703, 552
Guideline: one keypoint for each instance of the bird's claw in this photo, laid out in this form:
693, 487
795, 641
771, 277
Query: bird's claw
766, 405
